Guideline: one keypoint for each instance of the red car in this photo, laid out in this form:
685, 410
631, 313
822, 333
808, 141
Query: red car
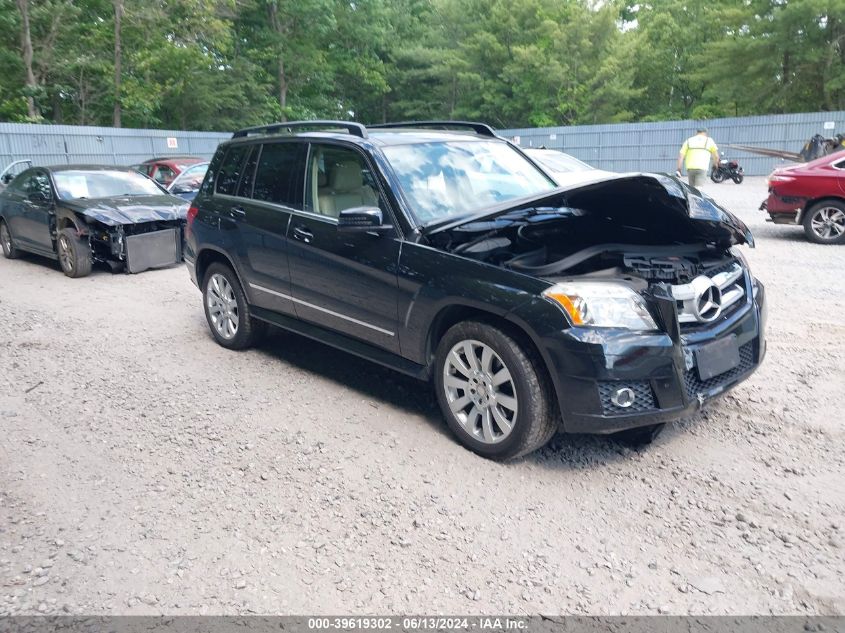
811, 194
164, 170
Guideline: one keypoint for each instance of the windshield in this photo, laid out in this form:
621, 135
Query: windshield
559, 162
446, 179
98, 183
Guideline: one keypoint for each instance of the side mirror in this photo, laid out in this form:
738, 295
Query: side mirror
7, 178
361, 220
37, 196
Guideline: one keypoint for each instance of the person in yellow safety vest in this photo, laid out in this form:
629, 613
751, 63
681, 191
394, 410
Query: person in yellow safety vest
695, 154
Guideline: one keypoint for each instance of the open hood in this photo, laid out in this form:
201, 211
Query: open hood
130, 209
655, 201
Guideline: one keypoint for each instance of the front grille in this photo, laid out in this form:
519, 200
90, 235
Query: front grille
695, 385
728, 277
643, 401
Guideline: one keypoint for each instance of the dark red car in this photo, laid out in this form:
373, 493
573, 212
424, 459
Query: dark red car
164, 170
813, 195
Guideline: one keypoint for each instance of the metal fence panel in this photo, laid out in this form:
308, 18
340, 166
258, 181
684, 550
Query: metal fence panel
72, 144
655, 146
617, 147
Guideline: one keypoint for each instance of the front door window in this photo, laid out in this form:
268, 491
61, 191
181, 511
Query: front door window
338, 179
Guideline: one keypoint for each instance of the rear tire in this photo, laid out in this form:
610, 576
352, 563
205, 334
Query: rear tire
494, 391
9, 251
227, 310
717, 175
824, 222
74, 254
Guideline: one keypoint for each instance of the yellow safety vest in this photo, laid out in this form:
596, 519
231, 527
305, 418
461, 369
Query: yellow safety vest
697, 151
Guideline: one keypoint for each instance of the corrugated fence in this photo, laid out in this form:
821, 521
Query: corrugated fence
70, 144
618, 147
654, 146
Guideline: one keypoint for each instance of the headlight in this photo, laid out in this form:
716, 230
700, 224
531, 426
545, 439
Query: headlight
736, 252
600, 304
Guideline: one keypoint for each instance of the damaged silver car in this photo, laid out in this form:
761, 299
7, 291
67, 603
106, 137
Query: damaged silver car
87, 214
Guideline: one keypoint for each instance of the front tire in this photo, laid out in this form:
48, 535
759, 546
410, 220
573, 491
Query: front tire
494, 392
227, 310
824, 222
9, 251
74, 254
738, 178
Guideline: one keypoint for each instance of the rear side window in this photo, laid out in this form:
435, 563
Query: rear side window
245, 188
230, 170
18, 185
280, 175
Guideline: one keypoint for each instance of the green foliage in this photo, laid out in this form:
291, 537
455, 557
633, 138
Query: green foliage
224, 64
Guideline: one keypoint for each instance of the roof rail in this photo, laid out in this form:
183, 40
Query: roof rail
482, 129
356, 129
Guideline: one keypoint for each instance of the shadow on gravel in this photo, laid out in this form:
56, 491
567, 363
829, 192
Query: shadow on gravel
415, 397
371, 381
53, 264
794, 234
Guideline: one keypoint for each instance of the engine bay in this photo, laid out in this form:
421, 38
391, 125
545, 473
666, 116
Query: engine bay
636, 227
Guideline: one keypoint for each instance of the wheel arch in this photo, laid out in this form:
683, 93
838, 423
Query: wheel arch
811, 202
455, 313
208, 256
66, 219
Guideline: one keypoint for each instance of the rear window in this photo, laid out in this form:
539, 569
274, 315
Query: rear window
280, 174
230, 170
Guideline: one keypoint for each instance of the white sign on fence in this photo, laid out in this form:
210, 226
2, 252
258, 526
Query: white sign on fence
172, 143
829, 125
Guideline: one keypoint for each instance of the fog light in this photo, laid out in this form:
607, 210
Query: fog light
623, 397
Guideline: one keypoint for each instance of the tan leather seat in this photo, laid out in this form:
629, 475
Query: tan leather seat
345, 189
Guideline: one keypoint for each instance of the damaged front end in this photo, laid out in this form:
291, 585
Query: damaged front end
661, 310
129, 235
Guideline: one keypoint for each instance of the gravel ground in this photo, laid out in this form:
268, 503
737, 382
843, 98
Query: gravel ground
144, 469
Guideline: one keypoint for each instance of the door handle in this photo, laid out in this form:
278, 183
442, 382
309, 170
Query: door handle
302, 234
237, 212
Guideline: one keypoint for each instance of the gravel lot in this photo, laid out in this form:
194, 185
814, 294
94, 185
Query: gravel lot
144, 469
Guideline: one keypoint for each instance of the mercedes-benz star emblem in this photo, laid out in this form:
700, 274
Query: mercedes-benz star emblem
708, 303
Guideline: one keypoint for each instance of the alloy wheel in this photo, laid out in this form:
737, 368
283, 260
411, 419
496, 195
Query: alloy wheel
65, 254
5, 238
480, 391
828, 223
222, 306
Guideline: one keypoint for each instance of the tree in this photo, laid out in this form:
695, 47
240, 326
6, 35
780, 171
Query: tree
118, 58
26, 51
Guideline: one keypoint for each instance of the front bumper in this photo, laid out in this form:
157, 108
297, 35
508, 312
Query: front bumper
587, 366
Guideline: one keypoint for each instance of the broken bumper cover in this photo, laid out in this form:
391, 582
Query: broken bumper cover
662, 374
783, 209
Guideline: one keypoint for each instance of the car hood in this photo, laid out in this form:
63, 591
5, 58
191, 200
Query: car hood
663, 194
130, 209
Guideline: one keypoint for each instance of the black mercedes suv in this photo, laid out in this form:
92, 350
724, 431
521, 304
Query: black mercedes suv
440, 250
